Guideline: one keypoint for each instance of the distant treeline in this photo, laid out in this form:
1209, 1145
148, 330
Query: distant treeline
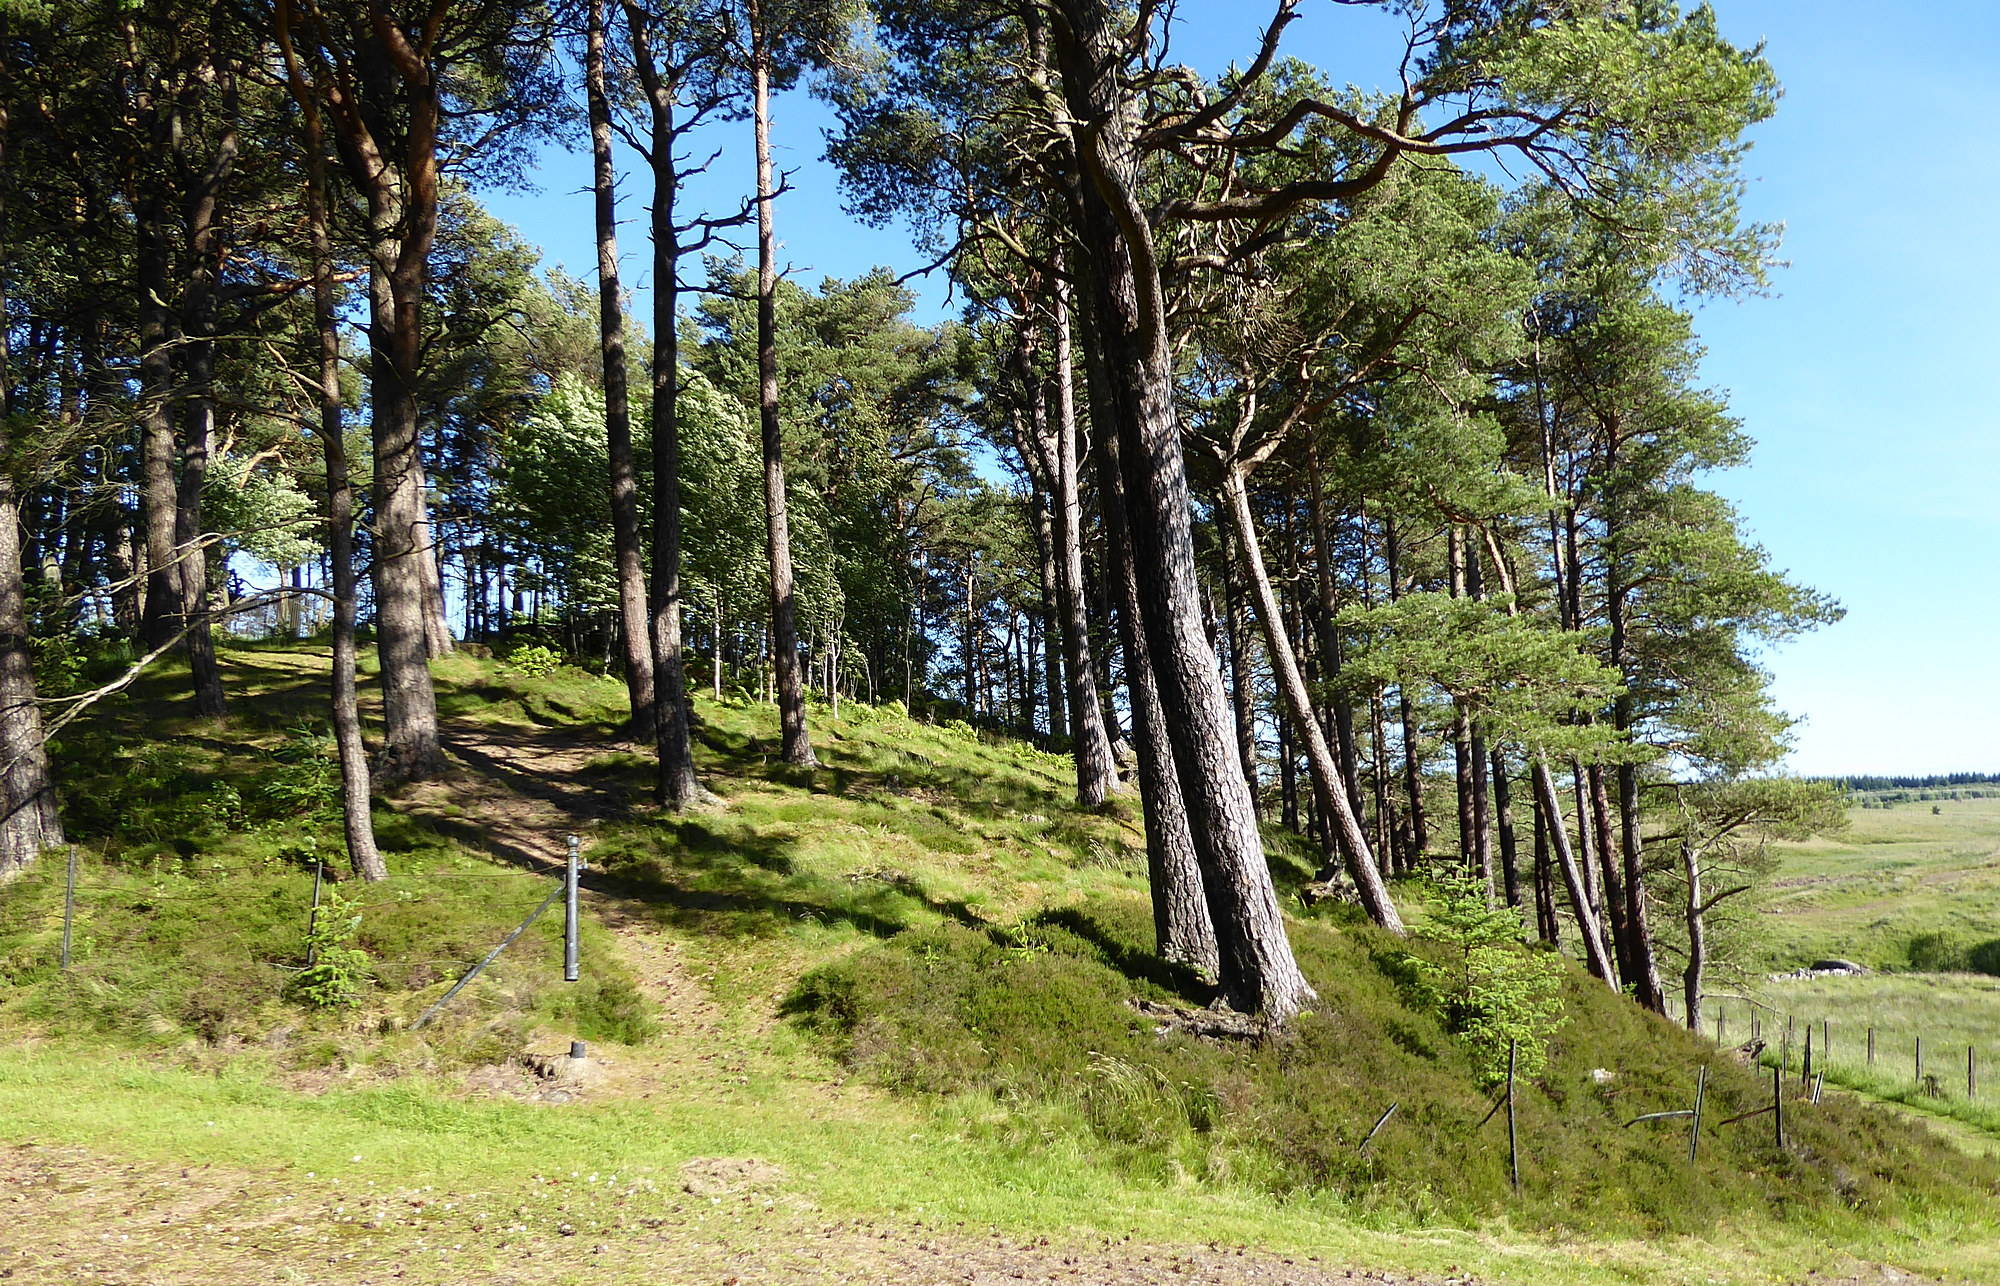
1912, 783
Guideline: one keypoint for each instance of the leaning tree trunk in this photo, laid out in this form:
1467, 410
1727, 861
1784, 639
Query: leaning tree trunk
1329, 790
797, 747
631, 570
1697, 934
1595, 956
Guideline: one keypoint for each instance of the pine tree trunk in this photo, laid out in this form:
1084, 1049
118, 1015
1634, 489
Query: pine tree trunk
357, 820
677, 786
1053, 641
1503, 819
1096, 772
1330, 793
1242, 680
1183, 926
1697, 934
1595, 956
796, 745
158, 497
1545, 898
1413, 775
204, 245
30, 824
410, 749
636, 635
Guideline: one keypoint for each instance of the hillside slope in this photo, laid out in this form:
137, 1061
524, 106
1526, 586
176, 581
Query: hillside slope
881, 1015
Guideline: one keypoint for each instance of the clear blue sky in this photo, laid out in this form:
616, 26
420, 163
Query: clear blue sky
1867, 377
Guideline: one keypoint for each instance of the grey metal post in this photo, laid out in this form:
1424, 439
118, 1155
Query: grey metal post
312, 916
1694, 1123
69, 904
1920, 1061
1778, 1104
1513, 1137
571, 963
1871, 1047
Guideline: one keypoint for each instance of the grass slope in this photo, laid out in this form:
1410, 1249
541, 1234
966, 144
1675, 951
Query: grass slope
1903, 887
903, 980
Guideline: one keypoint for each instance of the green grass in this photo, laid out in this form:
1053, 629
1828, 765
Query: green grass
1895, 873
1895, 878
903, 977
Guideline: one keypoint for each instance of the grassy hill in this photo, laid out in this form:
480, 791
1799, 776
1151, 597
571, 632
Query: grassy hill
882, 1021
1913, 893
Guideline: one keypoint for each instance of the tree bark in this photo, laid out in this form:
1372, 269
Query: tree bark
30, 824
1183, 925
1413, 776
204, 245
637, 635
1052, 635
1697, 933
1595, 956
1330, 792
797, 746
1242, 684
677, 785
1096, 772
1503, 819
358, 823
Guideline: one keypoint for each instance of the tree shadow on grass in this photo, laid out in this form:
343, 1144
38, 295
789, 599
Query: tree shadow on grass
1136, 962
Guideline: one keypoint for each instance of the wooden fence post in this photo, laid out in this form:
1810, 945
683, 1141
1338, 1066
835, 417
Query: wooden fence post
1920, 1062
1871, 1047
1971, 1074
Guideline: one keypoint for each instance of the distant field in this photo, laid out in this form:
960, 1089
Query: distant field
1862, 896
1895, 873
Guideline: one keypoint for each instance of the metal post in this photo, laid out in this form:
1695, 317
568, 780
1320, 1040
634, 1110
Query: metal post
312, 916
1721, 1024
1778, 1104
491, 956
69, 905
1694, 1124
1971, 1074
1825, 1042
1805, 1067
1513, 1138
571, 963
1871, 1047
1920, 1062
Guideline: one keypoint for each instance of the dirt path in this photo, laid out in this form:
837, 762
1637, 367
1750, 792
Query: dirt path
73, 1217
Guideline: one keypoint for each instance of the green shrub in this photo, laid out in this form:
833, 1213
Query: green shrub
1490, 989
1938, 952
339, 969
535, 660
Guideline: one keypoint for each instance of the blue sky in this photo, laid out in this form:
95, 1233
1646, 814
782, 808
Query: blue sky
1867, 377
